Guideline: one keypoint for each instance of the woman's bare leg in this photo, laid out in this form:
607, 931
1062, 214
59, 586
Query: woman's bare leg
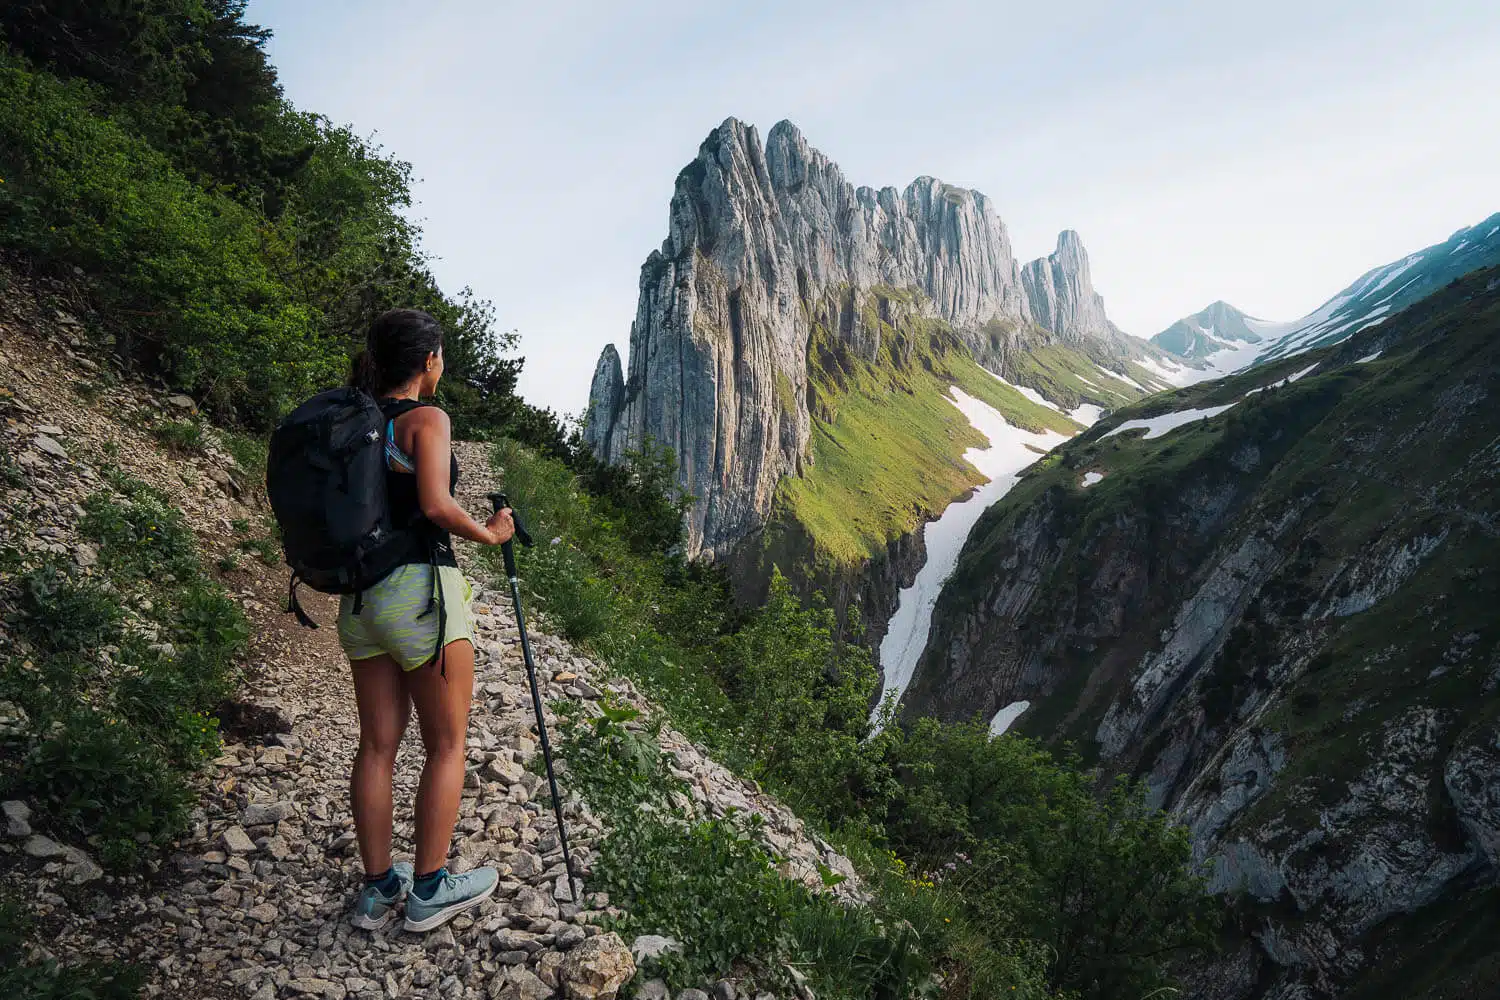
443, 715
383, 710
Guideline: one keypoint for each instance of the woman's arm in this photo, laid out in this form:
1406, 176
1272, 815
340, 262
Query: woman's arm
432, 436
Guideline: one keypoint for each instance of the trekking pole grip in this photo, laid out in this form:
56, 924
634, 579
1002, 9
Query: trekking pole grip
508, 548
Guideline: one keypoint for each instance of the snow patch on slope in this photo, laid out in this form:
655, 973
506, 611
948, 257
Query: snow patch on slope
1284, 381
1175, 374
1007, 715
1157, 426
1007, 454
1086, 414
1029, 393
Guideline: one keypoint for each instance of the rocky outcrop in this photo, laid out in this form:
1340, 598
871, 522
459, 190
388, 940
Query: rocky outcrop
1061, 293
863, 596
764, 242
1280, 620
606, 395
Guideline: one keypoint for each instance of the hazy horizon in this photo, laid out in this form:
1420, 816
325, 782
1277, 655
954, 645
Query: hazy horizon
1266, 157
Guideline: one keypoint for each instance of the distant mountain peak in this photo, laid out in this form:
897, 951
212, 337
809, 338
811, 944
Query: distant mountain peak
1223, 339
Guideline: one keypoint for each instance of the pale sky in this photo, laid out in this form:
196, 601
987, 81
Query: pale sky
1265, 153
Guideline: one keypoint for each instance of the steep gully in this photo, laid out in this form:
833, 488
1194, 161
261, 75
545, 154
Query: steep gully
1011, 449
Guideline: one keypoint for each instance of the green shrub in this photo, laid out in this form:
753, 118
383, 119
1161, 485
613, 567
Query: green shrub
90, 981
649, 616
115, 734
641, 494
142, 537
710, 885
578, 601
11, 475
208, 620
62, 615
82, 190
249, 453
266, 549
96, 774
920, 926
1104, 883
805, 702
181, 437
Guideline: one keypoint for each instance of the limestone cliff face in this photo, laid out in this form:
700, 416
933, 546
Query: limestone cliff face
763, 238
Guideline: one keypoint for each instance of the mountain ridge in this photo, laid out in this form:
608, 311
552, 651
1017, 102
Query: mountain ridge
768, 243
1200, 335
1223, 340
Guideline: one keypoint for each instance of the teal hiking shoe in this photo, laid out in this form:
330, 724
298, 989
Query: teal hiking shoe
454, 895
373, 909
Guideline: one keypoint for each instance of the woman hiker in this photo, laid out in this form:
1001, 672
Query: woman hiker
393, 642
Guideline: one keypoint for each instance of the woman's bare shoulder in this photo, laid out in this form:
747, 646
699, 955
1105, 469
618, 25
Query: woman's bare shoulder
426, 416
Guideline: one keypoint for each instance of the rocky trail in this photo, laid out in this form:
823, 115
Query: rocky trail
253, 902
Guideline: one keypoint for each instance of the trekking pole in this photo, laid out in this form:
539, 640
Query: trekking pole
575, 885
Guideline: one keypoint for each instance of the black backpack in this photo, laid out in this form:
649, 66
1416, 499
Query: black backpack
325, 475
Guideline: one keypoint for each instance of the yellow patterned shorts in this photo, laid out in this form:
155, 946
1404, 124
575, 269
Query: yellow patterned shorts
395, 618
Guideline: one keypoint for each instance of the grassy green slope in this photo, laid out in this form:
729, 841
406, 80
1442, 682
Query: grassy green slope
887, 445
1069, 377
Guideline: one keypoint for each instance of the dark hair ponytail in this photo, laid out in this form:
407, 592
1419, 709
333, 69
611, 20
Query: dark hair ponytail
396, 350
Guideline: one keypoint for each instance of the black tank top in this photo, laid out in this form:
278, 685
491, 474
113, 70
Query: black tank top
436, 544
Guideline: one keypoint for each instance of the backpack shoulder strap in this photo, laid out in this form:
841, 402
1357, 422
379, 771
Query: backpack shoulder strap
393, 408
390, 409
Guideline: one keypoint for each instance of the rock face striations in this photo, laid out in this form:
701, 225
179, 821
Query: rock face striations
765, 241
1062, 297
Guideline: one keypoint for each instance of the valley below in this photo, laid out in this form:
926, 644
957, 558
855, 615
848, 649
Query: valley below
1271, 599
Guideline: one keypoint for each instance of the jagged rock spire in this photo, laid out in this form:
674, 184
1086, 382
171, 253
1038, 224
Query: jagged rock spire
1061, 292
758, 237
